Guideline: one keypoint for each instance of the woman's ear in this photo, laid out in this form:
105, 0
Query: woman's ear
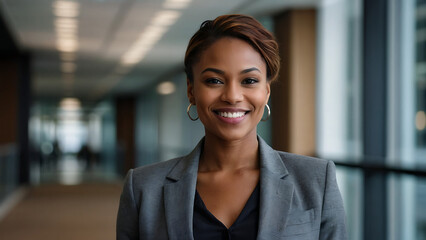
190, 91
268, 91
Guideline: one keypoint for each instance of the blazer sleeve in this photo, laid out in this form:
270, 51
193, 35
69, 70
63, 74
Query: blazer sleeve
333, 216
127, 217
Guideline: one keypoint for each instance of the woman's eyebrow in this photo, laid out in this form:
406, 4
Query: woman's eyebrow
215, 70
250, 70
218, 71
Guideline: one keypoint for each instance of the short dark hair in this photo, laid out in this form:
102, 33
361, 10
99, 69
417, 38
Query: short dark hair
238, 26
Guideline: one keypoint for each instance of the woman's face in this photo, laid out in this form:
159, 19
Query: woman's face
230, 89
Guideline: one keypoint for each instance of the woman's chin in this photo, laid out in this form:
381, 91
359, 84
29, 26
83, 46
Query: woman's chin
232, 135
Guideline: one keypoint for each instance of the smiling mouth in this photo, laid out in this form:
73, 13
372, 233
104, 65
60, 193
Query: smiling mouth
231, 114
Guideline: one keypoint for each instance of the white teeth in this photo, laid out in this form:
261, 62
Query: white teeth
231, 114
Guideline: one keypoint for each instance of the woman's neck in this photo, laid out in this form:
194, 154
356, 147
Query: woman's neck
222, 155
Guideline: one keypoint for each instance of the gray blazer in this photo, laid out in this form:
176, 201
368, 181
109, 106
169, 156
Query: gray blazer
299, 198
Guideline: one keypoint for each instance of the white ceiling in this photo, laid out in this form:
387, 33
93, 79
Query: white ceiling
106, 30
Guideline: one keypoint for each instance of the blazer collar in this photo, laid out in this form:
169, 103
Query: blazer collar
187, 165
270, 160
179, 195
275, 194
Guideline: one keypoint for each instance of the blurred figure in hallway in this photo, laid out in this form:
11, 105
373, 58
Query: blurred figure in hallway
87, 156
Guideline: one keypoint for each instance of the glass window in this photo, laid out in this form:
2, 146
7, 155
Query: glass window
420, 76
407, 120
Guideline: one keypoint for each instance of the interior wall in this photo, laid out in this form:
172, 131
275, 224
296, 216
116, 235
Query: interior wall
294, 94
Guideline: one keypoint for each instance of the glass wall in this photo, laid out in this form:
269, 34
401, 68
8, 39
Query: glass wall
8, 170
420, 76
406, 97
339, 111
71, 144
164, 131
420, 109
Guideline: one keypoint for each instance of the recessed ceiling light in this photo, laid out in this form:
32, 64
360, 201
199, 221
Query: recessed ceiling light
177, 4
66, 30
66, 34
70, 104
66, 13
131, 59
67, 23
420, 120
66, 45
66, 4
166, 88
151, 35
165, 18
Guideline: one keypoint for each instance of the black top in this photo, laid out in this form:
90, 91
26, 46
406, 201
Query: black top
207, 226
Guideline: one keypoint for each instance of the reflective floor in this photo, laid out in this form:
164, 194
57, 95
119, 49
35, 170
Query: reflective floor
68, 200
69, 170
85, 211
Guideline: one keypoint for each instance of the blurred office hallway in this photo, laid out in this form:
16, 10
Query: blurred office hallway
92, 88
53, 211
70, 198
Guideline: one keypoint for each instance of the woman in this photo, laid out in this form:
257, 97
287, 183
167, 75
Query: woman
232, 185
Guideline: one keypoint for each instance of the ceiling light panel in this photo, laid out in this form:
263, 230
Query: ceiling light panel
132, 24
176, 4
165, 18
70, 104
66, 28
166, 88
66, 9
159, 24
66, 23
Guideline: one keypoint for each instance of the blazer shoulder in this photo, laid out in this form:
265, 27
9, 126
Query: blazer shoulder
313, 179
301, 159
154, 173
305, 165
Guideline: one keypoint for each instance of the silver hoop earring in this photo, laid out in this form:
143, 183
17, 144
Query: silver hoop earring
269, 114
189, 115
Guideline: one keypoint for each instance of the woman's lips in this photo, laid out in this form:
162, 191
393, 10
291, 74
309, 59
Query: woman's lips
232, 116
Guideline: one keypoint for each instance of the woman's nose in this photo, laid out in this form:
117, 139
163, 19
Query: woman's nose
232, 93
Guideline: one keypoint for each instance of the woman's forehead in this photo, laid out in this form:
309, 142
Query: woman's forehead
229, 53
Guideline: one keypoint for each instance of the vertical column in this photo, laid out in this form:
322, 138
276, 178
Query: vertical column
293, 95
15, 95
374, 116
9, 100
125, 120
25, 100
15, 102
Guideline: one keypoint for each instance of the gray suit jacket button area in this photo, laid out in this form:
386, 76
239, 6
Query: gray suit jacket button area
299, 198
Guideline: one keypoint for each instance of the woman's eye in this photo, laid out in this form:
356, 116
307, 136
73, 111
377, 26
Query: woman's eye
213, 81
250, 81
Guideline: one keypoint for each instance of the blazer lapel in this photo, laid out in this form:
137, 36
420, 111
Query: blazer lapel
276, 194
179, 196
